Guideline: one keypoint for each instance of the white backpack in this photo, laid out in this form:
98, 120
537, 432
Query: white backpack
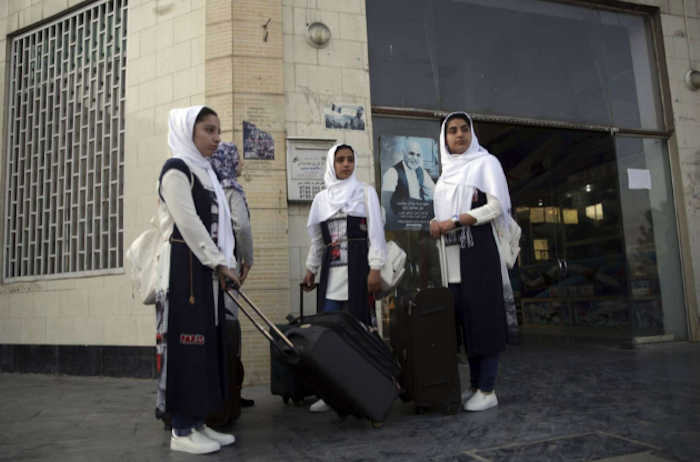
394, 263
143, 259
143, 255
510, 247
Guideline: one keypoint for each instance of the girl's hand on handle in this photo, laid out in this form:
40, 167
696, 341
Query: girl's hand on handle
374, 282
308, 281
435, 229
446, 226
226, 273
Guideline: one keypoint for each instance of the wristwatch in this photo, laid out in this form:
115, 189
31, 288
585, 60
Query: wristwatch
455, 220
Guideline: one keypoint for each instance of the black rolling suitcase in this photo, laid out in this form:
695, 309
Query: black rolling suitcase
422, 333
347, 366
283, 381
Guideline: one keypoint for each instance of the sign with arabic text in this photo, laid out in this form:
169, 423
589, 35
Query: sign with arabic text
306, 165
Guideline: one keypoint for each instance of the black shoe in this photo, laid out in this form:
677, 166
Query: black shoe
247, 402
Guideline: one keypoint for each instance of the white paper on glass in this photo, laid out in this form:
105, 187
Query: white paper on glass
639, 178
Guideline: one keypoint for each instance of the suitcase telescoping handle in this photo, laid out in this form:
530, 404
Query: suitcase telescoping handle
262, 315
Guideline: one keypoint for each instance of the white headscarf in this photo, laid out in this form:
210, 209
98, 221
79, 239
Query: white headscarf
346, 195
462, 173
182, 145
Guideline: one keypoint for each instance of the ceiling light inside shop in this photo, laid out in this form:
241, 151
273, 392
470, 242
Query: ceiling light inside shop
588, 188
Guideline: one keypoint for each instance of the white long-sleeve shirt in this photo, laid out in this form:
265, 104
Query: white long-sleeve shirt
179, 208
338, 275
483, 215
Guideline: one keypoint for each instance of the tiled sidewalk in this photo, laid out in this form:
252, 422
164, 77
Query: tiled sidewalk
557, 404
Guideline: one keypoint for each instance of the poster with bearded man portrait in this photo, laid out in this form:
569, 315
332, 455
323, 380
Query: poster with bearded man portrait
410, 169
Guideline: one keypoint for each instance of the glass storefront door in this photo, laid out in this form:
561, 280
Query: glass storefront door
599, 253
565, 194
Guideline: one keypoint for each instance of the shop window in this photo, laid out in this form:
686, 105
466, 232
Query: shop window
570, 216
537, 215
533, 59
65, 146
541, 247
551, 214
595, 212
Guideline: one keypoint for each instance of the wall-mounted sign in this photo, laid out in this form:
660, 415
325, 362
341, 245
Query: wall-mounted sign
306, 165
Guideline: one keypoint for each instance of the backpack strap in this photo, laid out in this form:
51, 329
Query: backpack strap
177, 164
365, 192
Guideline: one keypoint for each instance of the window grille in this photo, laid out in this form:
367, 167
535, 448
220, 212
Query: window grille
65, 146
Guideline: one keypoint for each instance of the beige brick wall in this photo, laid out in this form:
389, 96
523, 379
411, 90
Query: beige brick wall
314, 78
245, 82
165, 69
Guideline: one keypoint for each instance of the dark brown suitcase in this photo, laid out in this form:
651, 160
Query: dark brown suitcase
399, 331
283, 381
232, 406
423, 338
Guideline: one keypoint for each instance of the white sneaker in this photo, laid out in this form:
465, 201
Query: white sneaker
320, 406
224, 439
194, 443
467, 395
481, 402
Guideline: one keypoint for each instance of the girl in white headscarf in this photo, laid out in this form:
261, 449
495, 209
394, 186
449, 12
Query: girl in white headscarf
472, 194
348, 250
194, 264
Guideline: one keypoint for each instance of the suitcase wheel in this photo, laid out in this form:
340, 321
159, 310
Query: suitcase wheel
377, 424
453, 408
419, 410
285, 399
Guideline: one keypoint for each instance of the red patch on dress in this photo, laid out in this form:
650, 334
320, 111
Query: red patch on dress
191, 339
